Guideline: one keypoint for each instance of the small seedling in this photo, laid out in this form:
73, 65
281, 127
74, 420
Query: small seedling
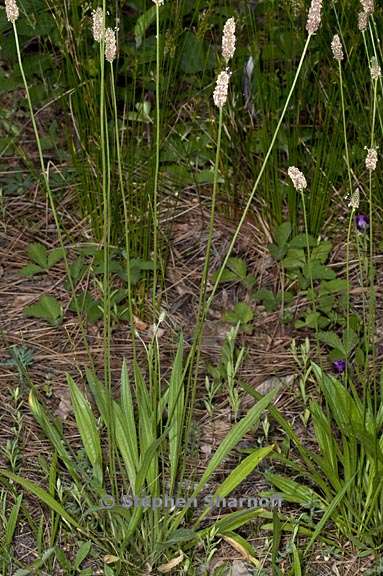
212, 388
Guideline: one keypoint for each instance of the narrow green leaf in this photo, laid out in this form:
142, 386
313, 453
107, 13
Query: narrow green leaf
126, 444
52, 433
243, 546
42, 495
328, 513
294, 492
233, 437
242, 471
99, 394
12, 521
277, 535
233, 521
127, 408
296, 561
176, 411
82, 553
87, 427
238, 475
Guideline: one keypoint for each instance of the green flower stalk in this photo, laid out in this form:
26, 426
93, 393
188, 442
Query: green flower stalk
12, 14
158, 3
337, 51
300, 184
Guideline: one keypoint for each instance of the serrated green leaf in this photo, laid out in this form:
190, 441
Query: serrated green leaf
31, 269
76, 270
333, 286
322, 251
268, 299
291, 263
282, 234
235, 270
332, 340
55, 256
47, 308
300, 241
38, 253
241, 313
84, 303
315, 270
277, 252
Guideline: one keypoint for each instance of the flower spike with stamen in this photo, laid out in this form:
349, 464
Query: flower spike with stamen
228, 40
11, 10
336, 47
354, 200
371, 159
375, 69
368, 6
110, 45
221, 88
314, 16
298, 179
362, 21
98, 24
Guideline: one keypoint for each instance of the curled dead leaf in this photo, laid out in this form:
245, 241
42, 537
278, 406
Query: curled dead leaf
168, 567
236, 544
110, 559
140, 324
65, 407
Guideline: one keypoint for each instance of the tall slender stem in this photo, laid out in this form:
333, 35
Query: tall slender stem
191, 355
352, 211
44, 172
106, 187
126, 214
157, 166
201, 315
260, 174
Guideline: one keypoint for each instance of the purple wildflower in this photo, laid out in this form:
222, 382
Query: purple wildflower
339, 366
362, 222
